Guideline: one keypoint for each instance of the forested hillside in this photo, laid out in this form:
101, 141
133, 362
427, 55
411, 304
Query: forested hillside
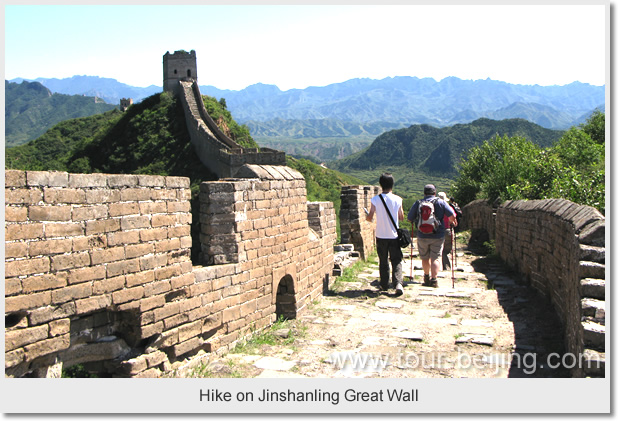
437, 151
31, 109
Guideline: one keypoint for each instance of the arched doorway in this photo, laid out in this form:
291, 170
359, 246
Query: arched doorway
286, 299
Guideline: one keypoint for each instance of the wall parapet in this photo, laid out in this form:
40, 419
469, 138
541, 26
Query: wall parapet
354, 228
559, 248
98, 269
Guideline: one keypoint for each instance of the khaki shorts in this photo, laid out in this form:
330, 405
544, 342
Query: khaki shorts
430, 248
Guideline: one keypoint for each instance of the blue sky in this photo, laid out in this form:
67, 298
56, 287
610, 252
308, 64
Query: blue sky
295, 46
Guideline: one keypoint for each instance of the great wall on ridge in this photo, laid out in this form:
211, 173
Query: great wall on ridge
98, 269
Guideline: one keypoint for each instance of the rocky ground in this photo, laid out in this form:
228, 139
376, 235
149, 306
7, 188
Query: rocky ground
487, 325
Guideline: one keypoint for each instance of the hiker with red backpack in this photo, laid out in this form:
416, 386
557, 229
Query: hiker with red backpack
428, 214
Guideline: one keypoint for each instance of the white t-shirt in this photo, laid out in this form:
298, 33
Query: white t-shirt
384, 226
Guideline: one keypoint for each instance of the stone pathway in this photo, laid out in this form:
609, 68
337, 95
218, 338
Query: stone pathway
488, 325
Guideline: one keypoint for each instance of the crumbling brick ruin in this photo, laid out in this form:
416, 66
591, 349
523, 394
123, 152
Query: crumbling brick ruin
98, 268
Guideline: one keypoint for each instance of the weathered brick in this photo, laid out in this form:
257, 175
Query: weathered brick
19, 337
151, 302
154, 234
87, 180
46, 313
163, 220
134, 194
140, 278
108, 285
152, 262
177, 182
150, 180
70, 261
64, 195
122, 180
27, 301
15, 232
98, 196
59, 327
156, 288
47, 178
12, 358
129, 294
88, 305
66, 229
183, 280
89, 242
148, 208
70, 293
15, 213
123, 209
85, 213
138, 250
102, 226
166, 311
22, 196
182, 206
26, 267
175, 320
47, 346
189, 330
13, 250
167, 272
123, 237
134, 222
12, 286
112, 254
156, 358
86, 274
48, 247
44, 282
167, 245
123, 267
14, 178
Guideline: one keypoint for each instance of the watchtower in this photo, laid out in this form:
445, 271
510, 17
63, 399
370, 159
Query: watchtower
176, 67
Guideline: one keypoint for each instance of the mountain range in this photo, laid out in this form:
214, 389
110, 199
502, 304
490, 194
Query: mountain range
362, 104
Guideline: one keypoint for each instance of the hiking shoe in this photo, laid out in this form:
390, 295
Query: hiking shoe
426, 281
433, 283
399, 290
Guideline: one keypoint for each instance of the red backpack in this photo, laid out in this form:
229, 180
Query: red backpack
426, 221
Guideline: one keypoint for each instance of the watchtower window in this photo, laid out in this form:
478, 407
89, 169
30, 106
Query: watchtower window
188, 72
175, 71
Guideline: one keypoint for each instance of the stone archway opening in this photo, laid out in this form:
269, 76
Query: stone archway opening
286, 299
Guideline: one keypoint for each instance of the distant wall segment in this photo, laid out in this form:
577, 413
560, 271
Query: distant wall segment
559, 248
354, 227
98, 269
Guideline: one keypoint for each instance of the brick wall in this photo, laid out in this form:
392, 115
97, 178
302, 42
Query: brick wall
354, 228
98, 270
559, 248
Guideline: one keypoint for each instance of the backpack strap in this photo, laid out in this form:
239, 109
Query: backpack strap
389, 212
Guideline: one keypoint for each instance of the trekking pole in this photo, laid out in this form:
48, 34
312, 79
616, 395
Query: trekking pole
452, 259
455, 245
411, 250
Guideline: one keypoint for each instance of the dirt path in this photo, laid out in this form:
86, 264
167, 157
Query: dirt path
488, 325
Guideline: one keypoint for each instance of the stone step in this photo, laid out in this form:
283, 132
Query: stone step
594, 335
593, 288
594, 308
592, 253
593, 363
591, 270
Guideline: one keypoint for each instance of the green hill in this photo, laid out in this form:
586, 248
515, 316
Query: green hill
151, 138
31, 109
437, 151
